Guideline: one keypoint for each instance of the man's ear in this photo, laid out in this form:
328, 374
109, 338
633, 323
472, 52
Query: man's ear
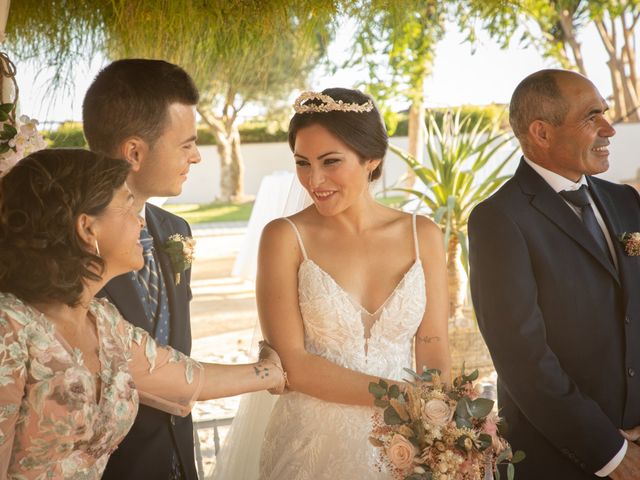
134, 150
540, 133
86, 228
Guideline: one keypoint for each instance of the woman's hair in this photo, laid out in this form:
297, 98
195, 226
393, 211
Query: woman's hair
42, 258
363, 132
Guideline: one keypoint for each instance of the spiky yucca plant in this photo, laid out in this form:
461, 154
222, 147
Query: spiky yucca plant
462, 153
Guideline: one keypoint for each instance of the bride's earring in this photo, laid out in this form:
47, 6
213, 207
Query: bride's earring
97, 248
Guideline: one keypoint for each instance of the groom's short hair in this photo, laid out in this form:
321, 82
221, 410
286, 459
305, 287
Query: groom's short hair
537, 97
130, 97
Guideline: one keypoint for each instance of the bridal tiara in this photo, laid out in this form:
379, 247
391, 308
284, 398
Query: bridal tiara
328, 104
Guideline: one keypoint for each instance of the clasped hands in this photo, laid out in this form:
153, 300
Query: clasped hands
268, 355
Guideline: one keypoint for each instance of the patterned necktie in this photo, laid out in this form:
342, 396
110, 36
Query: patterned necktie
580, 199
148, 276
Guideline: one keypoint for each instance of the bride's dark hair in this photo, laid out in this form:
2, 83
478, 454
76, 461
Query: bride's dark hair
363, 132
42, 258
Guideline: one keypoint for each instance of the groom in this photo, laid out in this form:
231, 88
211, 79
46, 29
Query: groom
556, 296
143, 111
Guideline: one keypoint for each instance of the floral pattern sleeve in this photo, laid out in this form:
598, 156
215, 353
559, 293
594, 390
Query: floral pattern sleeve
165, 378
13, 355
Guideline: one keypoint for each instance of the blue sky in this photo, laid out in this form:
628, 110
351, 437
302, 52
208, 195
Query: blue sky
461, 75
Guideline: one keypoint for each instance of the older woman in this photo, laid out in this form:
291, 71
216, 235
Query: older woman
72, 370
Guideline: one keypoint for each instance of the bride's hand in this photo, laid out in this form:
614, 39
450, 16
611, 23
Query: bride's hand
270, 356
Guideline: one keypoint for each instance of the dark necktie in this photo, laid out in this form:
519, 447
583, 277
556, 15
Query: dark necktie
580, 199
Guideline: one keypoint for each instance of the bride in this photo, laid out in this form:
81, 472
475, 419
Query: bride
342, 291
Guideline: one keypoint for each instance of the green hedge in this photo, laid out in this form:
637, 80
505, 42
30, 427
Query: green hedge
69, 134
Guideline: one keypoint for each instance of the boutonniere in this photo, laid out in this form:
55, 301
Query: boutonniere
631, 243
180, 250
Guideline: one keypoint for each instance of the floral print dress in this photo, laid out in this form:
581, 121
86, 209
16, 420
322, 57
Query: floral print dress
51, 423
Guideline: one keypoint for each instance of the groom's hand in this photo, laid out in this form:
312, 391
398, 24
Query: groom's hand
629, 468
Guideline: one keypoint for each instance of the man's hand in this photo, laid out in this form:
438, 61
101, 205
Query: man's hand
629, 468
633, 434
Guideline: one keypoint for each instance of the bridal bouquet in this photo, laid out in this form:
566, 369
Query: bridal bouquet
429, 431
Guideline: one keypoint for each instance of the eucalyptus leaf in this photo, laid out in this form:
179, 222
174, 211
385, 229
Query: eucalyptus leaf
518, 456
391, 417
394, 391
511, 471
480, 407
376, 390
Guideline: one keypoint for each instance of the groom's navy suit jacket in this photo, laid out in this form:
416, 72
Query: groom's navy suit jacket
146, 452
561, 323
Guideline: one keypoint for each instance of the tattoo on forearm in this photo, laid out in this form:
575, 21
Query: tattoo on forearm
261, 372
427, 339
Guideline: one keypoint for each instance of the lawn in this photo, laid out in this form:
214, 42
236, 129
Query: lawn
237, 212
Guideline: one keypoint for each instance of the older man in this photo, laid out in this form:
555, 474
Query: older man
555, 292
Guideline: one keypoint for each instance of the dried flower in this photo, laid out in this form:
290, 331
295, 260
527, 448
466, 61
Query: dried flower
181, 253
431, 430
631, 243
401, 452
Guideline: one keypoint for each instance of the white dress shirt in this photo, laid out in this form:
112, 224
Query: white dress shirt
560, 183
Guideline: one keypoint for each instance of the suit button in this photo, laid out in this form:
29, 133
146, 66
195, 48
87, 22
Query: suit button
631, 372
173, 420
627, 320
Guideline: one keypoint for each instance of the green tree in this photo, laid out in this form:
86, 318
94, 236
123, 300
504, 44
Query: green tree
396, 41
238, 52
553, 27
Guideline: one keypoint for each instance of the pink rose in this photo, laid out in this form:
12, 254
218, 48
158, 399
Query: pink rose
490, 426
437, 412
401, 452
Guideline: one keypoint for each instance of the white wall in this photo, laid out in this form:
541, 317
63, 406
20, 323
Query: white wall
261, 159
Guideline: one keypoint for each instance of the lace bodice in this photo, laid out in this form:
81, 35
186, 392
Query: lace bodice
308, 438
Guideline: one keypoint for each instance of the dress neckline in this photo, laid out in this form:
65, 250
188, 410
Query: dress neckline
71, 352
352, 298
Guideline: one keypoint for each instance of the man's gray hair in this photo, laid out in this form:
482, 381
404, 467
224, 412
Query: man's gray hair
537, 97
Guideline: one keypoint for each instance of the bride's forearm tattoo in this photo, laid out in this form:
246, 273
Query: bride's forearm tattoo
427, 339
261, 372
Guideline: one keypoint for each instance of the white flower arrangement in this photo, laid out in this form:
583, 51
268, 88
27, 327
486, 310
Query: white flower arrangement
18, 138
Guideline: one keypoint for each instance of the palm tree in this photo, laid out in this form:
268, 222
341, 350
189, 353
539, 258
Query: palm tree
467, 156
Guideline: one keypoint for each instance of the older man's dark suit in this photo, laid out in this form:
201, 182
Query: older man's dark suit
562, 325
146, 451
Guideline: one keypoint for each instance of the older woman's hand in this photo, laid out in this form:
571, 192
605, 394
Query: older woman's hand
270, 356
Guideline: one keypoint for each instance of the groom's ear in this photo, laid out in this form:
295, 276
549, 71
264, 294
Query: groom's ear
134, 150
540, 133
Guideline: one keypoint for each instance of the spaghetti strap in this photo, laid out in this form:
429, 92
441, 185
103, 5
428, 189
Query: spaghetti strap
295, 229
415, 237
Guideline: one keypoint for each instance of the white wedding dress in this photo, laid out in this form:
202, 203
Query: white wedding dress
308, 438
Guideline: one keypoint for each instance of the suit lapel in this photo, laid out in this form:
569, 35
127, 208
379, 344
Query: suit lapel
551, 205
611, 219
160, 231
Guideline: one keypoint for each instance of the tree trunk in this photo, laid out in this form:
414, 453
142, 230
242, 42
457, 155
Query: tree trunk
457, 281
416, 129
231, 163
625, 97
566, 22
